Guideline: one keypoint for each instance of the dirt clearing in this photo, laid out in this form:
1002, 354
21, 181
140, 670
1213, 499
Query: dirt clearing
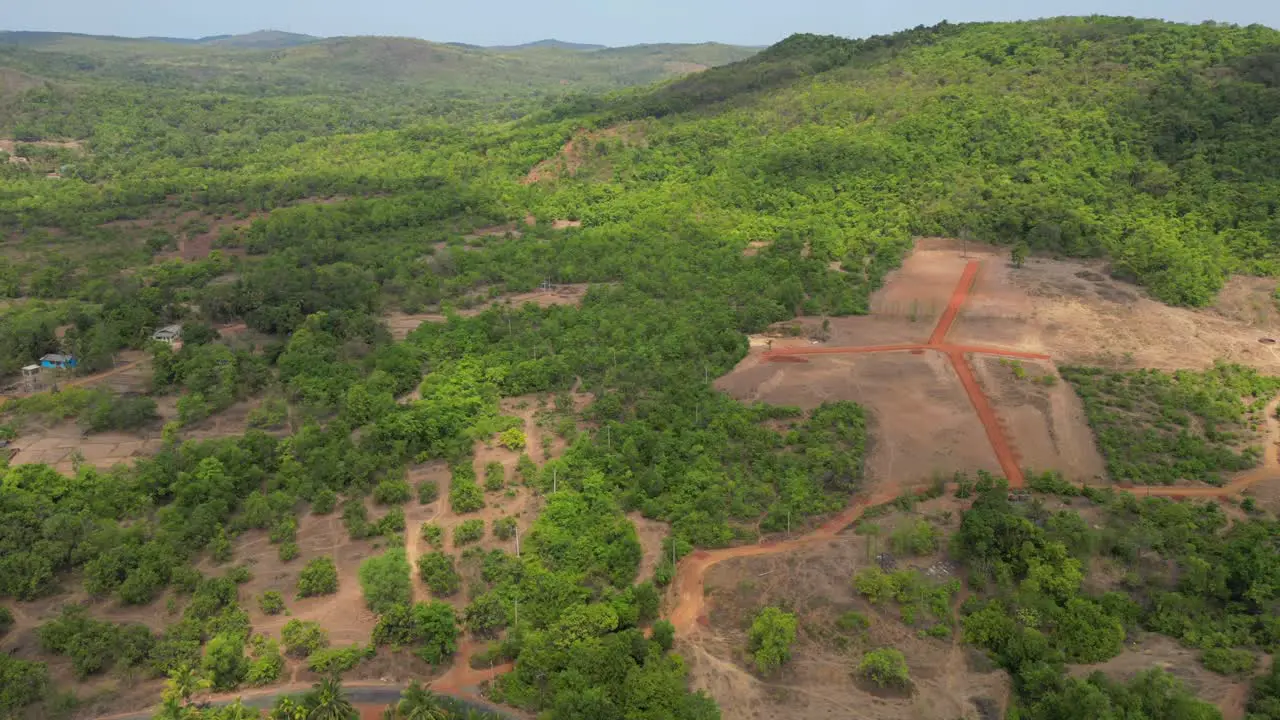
921, 421
1074, 311
819, 681
1044, 422
401, 323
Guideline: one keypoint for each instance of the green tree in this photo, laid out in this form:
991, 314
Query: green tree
417, 703
438, 573
328, 701
770, 638
224, 661
1018, 253
385, 580
319, 577
886, 667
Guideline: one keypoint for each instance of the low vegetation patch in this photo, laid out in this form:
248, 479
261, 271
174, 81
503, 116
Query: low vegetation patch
1158, 428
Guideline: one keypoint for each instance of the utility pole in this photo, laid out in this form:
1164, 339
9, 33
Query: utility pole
517, 543
788, 521
554, 473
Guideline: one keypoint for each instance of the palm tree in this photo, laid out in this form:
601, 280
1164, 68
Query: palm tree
237, 711
329, 702
417, 703
184, 682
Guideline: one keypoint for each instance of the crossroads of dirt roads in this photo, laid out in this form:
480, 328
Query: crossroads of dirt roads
689, 605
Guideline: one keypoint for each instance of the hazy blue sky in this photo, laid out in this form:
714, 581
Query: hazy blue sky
611, 22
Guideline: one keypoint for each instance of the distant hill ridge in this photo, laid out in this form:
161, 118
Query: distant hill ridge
277, 39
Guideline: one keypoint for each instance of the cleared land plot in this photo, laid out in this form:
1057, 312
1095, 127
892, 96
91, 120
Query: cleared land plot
922, 423
57, 446
950, 681
342, 614
1077, 313
1045, 423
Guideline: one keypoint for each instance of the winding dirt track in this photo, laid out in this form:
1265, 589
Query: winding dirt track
688, 588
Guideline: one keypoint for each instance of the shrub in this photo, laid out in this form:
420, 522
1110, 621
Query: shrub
915, 538
1086, 633
319, 577
288, 551
465, 496
664, 633
335, 661
224, 661
504, 528
21, 683
391, 491
285, 531
272, 414
486, 614
494, 476
853, 621
526, 469
391, 523
220, 547
271, 602
267, 662
512, 439
303, 637
886, 667
6, 620
239, 574
355, 517
647, 602
770, 638
385, 580
428, 492
468, 532
438, 573
185, 579
324, 502
433, 534
93, 645
107, 411
1229, 661
433, 627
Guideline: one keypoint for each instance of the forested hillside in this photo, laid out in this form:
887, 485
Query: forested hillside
307, 195
275, 64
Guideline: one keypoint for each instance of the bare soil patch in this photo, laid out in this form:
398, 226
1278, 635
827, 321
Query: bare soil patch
64, 445
819, 681
922, 423
1074, 311
401, 323
343, 614
1045, 423
652, 533
11, 146
503, 230
581, 150
754, 247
